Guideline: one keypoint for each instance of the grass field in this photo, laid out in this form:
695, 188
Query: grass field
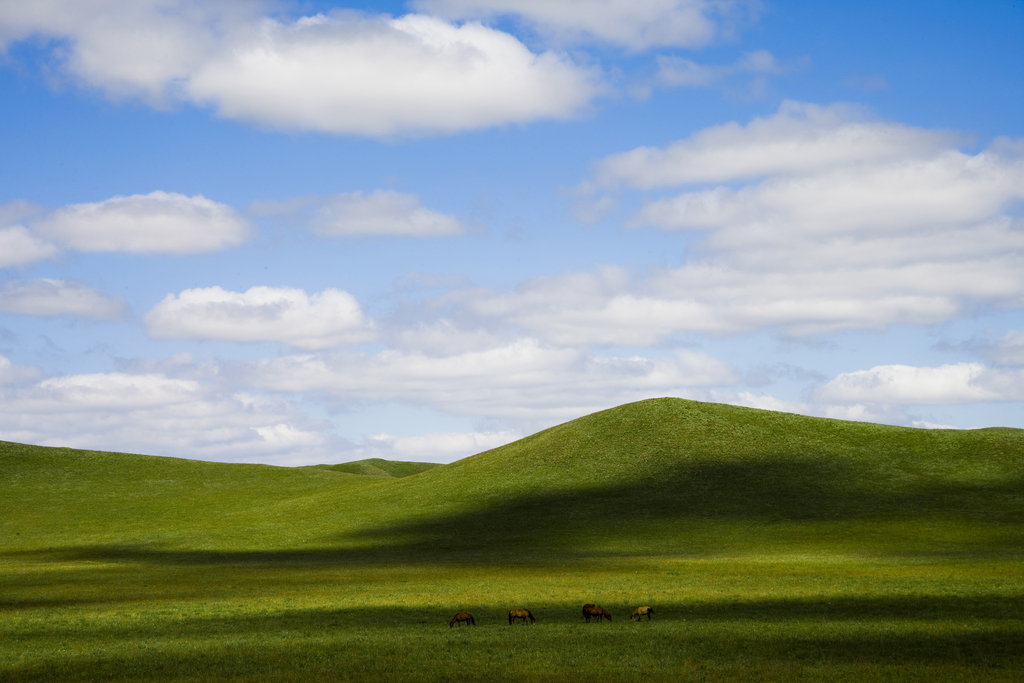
773, 547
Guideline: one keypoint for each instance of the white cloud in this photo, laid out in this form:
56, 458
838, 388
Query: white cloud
949, 189
345, 72
908, 385
16, 374
127, 47
18, 247
383, 77
382, 212
16, 211
222, 412
831, 221
158, 415
582, 309
519, 380
156, 223
800, 138
285, 315
445, 338
797, 295
46, 297
442, 447
633, 24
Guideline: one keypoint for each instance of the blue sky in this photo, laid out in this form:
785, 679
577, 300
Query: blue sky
313, 232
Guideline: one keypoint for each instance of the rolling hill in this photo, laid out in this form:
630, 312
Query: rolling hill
774, 547
378, 467
655, 476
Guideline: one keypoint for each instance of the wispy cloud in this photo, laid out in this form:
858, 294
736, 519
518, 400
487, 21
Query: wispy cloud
633, 24
46, 297
676, 72
354, 214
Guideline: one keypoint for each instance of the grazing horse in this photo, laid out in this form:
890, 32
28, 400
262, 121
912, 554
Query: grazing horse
592, 610
523, 614
640, 611
462, 617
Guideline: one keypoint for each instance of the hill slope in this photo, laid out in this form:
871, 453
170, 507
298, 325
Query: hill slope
378, 467
657, 476
652, 467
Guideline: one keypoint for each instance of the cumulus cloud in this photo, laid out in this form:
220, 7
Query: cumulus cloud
633, 24
383, 77
800, 138
18, 247
285, 315
522, 379
128, 47
46, 297
220, 410
342, 72
950, 189
156, 223
158, 415
908, 385
830, 220
354, 214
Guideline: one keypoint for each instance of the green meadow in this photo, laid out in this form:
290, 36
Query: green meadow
773, 547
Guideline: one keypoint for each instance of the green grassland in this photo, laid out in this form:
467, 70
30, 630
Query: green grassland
773, 547
378, 467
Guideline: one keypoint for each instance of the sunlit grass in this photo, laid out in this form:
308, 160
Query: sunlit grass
773, 547
849, 616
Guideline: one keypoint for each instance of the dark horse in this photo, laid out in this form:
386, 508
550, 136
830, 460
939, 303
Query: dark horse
592, 610
523, 614
462, 617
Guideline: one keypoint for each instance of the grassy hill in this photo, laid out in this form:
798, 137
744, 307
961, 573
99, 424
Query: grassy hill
774, 547
629, 479
378, 467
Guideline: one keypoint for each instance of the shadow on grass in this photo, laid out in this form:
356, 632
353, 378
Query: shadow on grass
965, 609
757, 493
562, 525
339, 644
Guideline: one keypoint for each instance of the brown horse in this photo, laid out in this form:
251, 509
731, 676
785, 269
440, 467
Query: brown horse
592, 610
523, 614
462, 617
641, 611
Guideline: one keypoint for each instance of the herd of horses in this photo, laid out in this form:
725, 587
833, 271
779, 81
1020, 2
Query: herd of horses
590, 610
